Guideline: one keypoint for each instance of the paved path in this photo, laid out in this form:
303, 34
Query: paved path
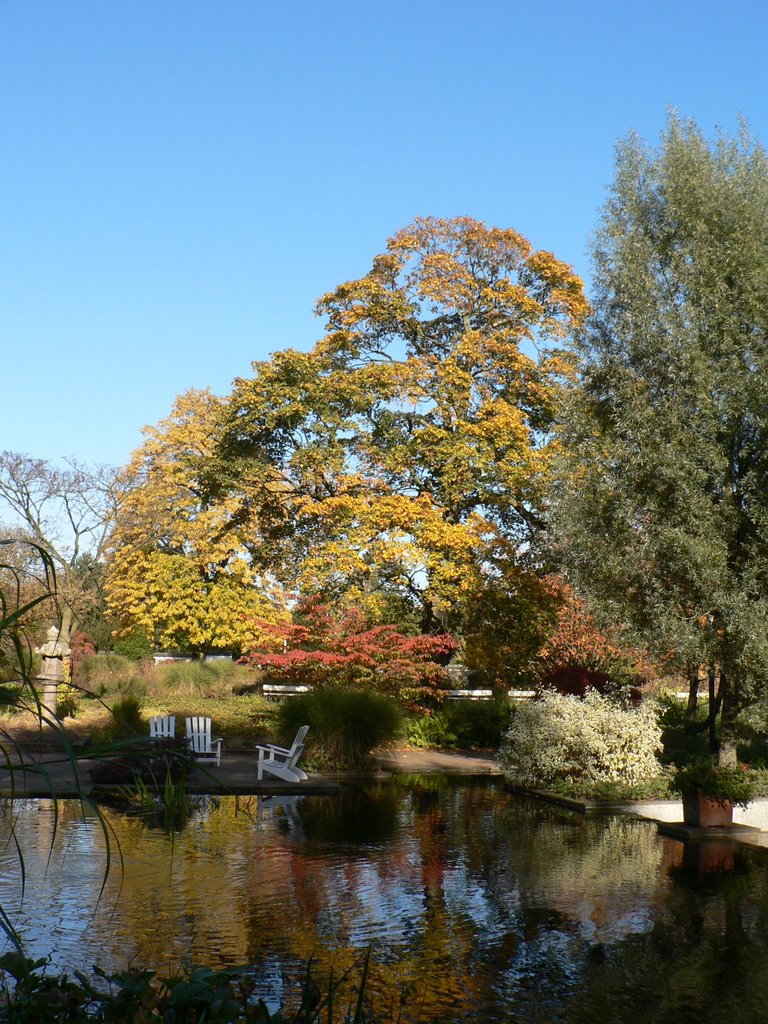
446, 762
47, 773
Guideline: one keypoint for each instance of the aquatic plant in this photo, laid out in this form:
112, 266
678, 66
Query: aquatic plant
198, 994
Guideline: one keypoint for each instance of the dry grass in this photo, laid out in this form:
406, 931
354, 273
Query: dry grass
181, 689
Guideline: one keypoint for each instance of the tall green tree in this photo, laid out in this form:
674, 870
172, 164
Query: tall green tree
662, 504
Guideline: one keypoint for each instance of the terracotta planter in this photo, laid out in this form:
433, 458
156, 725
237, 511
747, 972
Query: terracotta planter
713, 857
704, 811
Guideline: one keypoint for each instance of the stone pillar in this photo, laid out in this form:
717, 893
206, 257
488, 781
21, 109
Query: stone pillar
53, 652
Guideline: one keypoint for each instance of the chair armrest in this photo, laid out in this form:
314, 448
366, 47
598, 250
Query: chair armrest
272, 748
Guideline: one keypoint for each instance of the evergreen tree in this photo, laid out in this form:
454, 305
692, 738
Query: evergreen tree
662, 508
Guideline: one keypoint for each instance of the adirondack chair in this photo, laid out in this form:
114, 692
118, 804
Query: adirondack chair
162, 727
282, 761
201, 746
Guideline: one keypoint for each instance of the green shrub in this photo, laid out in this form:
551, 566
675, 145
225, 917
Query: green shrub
657, 788
681, 739
135, 647
580, 739
718, 781
461, 724
344, 725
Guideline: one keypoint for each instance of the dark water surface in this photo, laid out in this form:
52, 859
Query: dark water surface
478, 906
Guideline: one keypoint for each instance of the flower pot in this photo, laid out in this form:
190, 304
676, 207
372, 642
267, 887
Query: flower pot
703, 811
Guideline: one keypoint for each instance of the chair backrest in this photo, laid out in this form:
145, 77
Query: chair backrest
297, 746
199, 733
298, 739
162, 727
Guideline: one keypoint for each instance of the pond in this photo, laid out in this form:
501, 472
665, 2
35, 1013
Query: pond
478, 906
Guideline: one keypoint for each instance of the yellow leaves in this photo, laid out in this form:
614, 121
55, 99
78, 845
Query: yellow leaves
565, 290
397, 453
167, 596
179, 571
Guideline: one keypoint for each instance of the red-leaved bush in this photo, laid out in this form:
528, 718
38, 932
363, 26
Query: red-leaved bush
327, 647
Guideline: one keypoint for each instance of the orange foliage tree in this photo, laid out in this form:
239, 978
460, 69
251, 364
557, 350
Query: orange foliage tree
578, 653
402, 461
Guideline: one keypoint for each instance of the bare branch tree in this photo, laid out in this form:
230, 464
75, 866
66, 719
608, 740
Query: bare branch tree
68, 511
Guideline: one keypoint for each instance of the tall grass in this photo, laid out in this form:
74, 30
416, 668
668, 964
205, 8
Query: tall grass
196, 678
221, 690
344, 725
105, 673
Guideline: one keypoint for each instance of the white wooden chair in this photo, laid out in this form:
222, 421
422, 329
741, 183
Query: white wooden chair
162, 727
282, 761
198, 737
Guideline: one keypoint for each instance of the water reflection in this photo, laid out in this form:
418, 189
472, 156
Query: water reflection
478, 905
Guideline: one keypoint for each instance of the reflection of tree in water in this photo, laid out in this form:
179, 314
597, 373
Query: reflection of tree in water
365, 815
704, 959
485, 906
542, 886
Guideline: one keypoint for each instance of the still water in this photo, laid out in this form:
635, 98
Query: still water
478, 906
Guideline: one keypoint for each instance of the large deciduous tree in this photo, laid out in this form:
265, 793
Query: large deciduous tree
663, 501
179, 571
404, 457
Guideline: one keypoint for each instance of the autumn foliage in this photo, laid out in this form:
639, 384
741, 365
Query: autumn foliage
411, 444
323, 647
577, 653
394, 468
179, 570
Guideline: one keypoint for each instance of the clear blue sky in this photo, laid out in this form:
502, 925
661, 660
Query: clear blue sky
181, 180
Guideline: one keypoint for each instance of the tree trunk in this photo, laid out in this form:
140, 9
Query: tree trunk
712, 712
729, 709
693, 697
67, 626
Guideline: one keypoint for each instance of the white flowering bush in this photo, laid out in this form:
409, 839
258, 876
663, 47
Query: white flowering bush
580, 739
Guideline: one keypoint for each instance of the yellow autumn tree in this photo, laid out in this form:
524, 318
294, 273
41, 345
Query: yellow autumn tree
179, 571
404, 458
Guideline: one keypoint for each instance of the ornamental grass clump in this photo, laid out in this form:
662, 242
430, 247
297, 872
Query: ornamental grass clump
344, 725
580, 740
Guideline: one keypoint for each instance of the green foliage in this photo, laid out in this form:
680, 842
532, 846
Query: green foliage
658, 788
662, 493
199, 678
580, 739
344, 725
125, 721
719, 781
136, 646
681, 740
461, 724
197, 995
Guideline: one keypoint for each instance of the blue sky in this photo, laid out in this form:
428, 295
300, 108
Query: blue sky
181, 180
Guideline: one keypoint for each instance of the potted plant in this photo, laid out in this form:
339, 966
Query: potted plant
711, 790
